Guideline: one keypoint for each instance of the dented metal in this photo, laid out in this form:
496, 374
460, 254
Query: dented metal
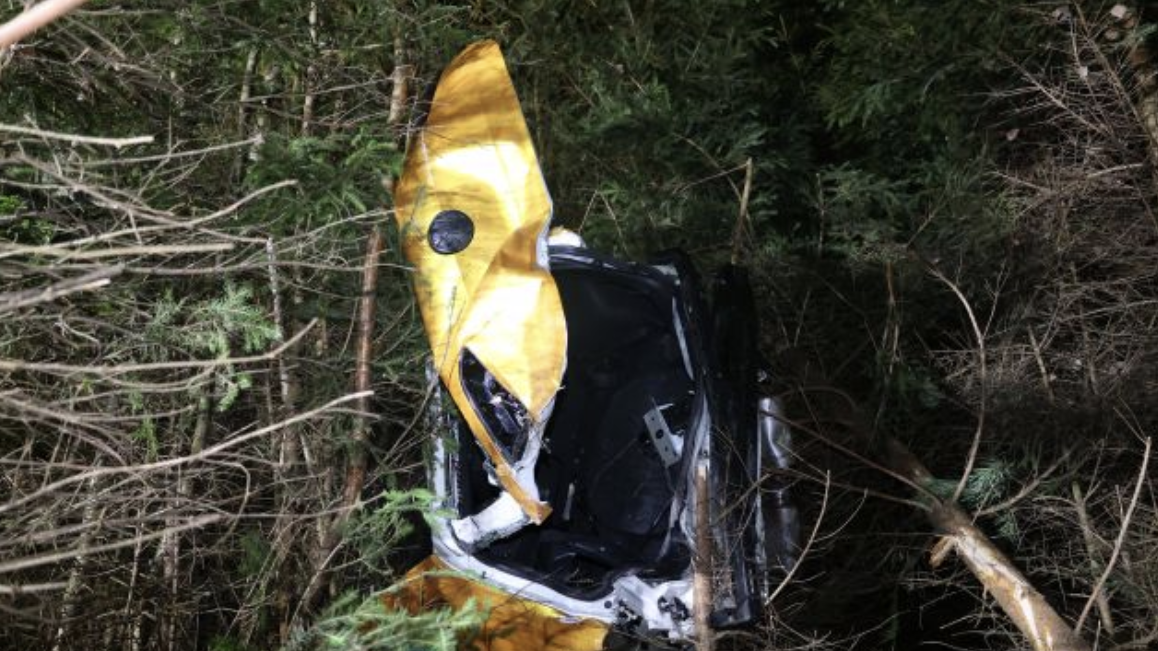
578, 396
489, 294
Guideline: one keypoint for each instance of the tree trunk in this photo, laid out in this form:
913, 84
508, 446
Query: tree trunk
76, 574
311, 72
355, 476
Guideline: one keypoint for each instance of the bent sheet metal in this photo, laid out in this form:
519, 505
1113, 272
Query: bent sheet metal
512, 624
473, 210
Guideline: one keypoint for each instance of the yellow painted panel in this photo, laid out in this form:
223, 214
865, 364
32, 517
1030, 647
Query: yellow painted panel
495, 297
512, 624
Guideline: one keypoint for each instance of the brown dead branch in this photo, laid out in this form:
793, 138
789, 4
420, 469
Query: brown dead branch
73, 138
11, 301
356, 468
356, 471
1098, 587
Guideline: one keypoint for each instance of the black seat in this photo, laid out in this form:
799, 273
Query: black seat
609, 489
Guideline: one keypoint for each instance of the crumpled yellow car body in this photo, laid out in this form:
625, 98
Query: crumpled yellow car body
512, 624
586, 393
473, 212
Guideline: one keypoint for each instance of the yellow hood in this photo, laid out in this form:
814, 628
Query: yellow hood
471, 188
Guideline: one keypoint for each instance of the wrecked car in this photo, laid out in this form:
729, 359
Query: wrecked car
578, 397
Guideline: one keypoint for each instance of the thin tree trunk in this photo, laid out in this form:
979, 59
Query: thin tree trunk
76, 575
287, 379
135, 616
355, 476
356, 471
702, 568
243, 111
170, 547
288, 451
311, 72
355, 479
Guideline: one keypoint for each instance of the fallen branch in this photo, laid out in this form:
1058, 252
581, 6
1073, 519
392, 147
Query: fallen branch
11, 301
50, 367
1022, 603
73, 138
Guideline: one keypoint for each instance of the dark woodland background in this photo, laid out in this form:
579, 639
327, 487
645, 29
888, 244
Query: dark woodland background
948, 208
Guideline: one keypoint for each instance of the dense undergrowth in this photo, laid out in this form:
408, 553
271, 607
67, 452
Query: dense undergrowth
948, 209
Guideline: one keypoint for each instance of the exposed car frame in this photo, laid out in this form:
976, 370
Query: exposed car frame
581, 394
660, 603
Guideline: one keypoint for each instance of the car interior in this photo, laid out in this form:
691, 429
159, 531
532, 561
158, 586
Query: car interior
611, 462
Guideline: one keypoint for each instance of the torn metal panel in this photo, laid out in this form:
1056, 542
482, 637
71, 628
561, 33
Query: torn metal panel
473, 211
587, 393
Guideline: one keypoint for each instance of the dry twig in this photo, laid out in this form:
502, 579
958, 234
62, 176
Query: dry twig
1141, 481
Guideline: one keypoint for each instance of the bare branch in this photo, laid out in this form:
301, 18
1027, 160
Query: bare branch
1091, 542
73, 138
11, 301
178, 461
56, 251
50, 367
1121, 537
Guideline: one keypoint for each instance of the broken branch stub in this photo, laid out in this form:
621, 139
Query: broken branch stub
1028, 609
1024, 605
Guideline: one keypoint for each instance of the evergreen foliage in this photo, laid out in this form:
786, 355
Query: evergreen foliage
908, 158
